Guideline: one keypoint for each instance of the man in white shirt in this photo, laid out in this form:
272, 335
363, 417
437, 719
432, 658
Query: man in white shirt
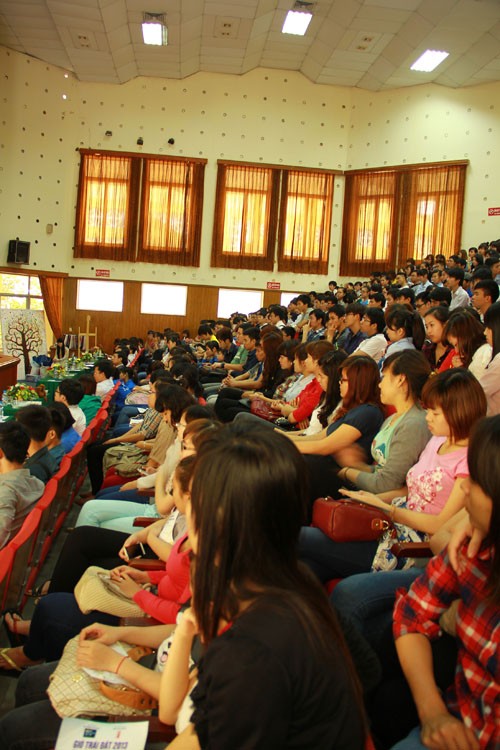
70, 392
484, 295
372, 325
103, 370
303, 306
459, 297
277, 316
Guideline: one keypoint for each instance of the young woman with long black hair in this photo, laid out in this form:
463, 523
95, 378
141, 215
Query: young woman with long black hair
275, 672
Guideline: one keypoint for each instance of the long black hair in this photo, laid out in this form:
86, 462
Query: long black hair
492, 321
248, 503
484, 468
400, 316
331, 364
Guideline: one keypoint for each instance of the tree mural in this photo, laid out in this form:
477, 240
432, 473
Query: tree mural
23, 334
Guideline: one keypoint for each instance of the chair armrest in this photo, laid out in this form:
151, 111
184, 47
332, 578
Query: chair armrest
411, 549
139, 622
147, 564
144, 521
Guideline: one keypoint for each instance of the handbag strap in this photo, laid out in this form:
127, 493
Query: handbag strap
125, 695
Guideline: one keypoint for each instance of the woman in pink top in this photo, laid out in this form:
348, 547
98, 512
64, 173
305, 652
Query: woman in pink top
454, 401
490, 380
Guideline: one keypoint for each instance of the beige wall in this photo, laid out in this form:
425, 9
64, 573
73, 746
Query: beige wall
263, 116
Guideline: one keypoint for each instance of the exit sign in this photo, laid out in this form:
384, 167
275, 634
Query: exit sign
102, 273
495, 211
274, 285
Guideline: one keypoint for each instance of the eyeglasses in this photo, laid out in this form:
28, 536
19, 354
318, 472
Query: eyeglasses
343, 380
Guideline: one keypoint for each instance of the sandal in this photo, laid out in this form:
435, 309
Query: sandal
41, 590
14, 669
15, 638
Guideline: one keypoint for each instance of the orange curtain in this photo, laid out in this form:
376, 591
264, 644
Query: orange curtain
369, 233
106, 206
172, 204
246, 210
52, 292
305, 219
433, 200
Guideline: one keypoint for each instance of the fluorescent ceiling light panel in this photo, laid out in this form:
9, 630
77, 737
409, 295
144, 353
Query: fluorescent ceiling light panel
296, 23
154, 29
429, 60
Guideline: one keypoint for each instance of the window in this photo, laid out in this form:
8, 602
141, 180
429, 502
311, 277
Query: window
433, 221
244, 235
398, 213
163, 299
139, 208
287, 297
306, 215
104, 296
267, 211
19, 292
238, 300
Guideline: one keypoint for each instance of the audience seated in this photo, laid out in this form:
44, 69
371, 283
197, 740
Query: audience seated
103, 371
70, 393
334, 404
90, 403
19, 488
37, 422
68, 437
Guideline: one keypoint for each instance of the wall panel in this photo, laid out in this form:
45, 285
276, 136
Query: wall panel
201, 303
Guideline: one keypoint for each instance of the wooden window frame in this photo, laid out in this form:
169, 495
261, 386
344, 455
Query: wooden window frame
133, 248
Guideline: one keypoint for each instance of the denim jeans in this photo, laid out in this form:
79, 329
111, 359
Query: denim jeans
56, 619
114, 514
412, 742
114, 493
33, 724
328, 559
366, 597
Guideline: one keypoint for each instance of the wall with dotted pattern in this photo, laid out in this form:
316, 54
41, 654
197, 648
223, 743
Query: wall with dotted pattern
264, 116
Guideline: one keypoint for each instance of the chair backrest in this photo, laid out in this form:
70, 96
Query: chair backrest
22, 544
6, 558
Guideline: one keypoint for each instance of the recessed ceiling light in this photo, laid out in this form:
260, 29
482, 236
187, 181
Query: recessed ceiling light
296, 23
429, 60
154, 29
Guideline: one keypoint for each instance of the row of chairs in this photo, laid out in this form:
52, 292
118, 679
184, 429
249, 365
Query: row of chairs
23, 556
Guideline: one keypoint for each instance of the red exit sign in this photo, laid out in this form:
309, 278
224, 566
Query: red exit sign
102, 273
274, 285
495, 211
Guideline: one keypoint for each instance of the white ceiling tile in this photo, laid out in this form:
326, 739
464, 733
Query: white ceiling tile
397, 4
391, 32
434, 11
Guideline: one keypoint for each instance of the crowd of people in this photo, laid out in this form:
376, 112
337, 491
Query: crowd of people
385, 392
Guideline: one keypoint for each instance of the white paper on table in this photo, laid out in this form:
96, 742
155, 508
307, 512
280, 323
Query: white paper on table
84, 734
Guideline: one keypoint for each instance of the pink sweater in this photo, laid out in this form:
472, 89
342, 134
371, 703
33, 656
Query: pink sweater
173, 587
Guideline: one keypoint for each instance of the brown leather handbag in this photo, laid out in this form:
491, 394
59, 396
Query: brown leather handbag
262, 409
348, 521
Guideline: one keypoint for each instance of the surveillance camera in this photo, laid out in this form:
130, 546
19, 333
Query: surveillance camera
171, 141
108, 133
140, 141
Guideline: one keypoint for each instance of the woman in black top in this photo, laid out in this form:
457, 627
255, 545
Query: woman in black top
276, 672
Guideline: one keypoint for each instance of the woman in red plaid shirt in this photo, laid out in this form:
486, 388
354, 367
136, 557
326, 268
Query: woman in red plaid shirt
467, 717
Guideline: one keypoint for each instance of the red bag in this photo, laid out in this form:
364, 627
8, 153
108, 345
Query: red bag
349, 521
262, 409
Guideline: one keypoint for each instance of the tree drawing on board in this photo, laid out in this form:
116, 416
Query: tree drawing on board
23, 334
